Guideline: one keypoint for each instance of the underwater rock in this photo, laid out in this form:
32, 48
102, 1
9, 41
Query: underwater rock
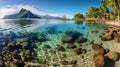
12, 35
15, 55
99, 60
81, 40
42, 38
96, 47
26, 55
75, 35
52, 29
71, 33
108, 36
112, 34
113, 55
95, 31
78, 51
83, 51
11, 45
24, 45
71, 46
46, 46
55, 65
9, 57
101, 51
64, 62
2, 64
116, 37
71, 36
66, 39
19, 63
72, 62
60, 48
106, 51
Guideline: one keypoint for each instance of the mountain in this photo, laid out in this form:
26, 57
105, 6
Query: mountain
22, 14
47, 16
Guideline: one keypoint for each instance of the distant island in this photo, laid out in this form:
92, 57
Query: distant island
23, 13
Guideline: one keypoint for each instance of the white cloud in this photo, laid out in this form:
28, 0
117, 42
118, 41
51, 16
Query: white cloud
14, 9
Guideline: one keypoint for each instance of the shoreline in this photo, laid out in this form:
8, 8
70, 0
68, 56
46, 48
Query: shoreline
113, 23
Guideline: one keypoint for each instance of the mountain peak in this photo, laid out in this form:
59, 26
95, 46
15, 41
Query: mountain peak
23, 13
23, 10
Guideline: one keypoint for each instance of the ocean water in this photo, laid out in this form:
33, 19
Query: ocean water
43, 36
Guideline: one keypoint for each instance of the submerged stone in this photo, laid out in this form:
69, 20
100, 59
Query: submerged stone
113, 55
2, 64
78, 51
46, 46
81, 40
19, 63
99, 60
72, 62
60, 48
71, 46
24, 44
95, 31
96, 47
64, 62
66, 39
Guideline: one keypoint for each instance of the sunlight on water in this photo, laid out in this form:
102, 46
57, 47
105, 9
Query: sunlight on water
51, 42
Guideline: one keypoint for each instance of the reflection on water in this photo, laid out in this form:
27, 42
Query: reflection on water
48, 42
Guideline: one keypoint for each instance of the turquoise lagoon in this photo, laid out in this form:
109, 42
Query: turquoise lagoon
52, 31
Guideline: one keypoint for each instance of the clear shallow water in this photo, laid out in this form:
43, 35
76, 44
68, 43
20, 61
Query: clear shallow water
40, 32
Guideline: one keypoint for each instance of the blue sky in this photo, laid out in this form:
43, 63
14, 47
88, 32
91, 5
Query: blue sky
56, 7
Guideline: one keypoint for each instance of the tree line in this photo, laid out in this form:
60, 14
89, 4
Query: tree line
108, 10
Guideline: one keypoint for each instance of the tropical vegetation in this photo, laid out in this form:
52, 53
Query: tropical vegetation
108, 10
78, 16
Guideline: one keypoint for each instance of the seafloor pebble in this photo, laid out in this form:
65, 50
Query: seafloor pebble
99, 60
113, 55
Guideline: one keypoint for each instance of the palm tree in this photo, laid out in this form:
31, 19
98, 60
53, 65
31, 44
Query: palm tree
115, 4
104, 7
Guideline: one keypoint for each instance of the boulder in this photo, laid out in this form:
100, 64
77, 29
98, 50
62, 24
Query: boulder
15, 55
2, 64
81, 40
72, 33
46, 46
108, 36
72, 62
19, 63
75, 35
78, 51
100, 51
24, 44
99, 60
64, 62
11, 46
113, 55
71, 46
116, 37
66, 39
83, 51
95, 31
60, 48
96, 47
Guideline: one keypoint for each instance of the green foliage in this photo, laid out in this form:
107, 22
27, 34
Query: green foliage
64, 18
78, 16
94, 13
104, 7
115, 4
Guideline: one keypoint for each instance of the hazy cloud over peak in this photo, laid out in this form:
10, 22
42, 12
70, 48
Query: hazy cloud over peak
7, 10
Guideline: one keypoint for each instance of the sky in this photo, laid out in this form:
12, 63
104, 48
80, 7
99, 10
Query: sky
51, 7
